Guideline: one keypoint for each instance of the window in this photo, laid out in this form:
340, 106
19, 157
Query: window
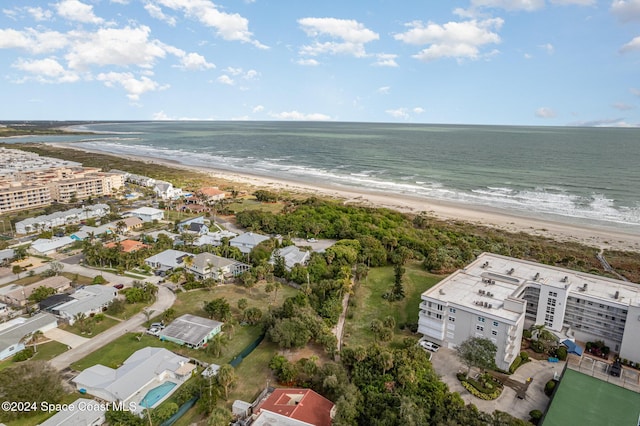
479, 328
480, 319
551, 301
438, 316
494, 332
440, 307
548, 323
452, 319
553, 294
452, 310
495, 323
551, 310
548, 317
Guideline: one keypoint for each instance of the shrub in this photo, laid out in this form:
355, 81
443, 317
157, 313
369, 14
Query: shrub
98, 279
561, 353
526, 334
537, 346
23, 355
515, 364
486, 396
549, 387
524, 356
535, 416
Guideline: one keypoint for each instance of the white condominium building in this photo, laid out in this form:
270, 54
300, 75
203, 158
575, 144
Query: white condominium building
496, 297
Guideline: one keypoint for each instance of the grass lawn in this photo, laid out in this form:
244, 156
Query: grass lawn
79, 279
26, 280
49, 350
130, 309
370, 305
192, 302
98, 328
253, 204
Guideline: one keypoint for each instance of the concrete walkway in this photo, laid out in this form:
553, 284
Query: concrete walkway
164, 300
64, 337
447, 365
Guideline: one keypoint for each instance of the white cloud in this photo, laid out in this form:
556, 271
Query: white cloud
605, 122
161, 116
460, 40
308, 62
547, 47
257, 108
384, 90
239, 72
386, 60
299, 116
398, 113
225, 79
545, 112
626, 10
132, 85
622, 106
233, 27
418, 110
156, 12
120, 1
574, 2
194, 62
32, 41
46, 70
351, 35
528, 56
635, 91
75, 10
39, 14
111, 46
527, 5
632, 46
234, 71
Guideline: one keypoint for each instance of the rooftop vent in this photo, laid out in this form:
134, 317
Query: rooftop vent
617, 295
511, 271
565, 279
484, 265
490, 306
537, 276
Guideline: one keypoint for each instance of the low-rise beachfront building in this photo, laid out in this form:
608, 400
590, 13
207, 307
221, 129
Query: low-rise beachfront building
147, 214
247, 241
87, 301
64, 218
144, 380
211, 193
46, 246
496, 297
17, 295
291, 255
166, 190
294, 407
167, 260
191, 331
13, 332
214, 238
6, 256
208, 265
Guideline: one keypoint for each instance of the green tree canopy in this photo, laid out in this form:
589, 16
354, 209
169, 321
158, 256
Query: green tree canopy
477, 352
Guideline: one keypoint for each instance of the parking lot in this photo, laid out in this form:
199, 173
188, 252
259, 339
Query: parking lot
447, 365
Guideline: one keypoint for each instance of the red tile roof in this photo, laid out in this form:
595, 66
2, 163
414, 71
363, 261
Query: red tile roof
128, 246
300, 404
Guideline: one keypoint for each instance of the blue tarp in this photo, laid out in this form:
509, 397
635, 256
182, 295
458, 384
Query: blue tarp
572, 347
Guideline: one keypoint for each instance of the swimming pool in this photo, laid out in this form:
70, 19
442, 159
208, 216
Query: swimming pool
156, 394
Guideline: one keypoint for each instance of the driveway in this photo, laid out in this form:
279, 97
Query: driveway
64, 337
447, 365
164, 300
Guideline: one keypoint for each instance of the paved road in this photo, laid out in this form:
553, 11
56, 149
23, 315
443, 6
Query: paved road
164, 300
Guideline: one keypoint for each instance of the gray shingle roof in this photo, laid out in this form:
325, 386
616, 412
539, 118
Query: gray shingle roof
22, 326
190, 329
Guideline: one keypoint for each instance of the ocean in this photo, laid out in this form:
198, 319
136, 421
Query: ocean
581, 175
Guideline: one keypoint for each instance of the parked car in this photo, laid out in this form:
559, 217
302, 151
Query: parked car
153, 331
312, 240
430, 346
119, 286
616, 369
157, 325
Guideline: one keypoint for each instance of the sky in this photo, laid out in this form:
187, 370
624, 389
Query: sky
506, 62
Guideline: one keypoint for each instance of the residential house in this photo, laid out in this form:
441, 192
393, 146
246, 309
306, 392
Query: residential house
246, 242
64, 218
213, 238
92, 232
81, 412
191, 331
46, 246
6, 256
155, 235
185, 225
17, 295
208, 265
132, 223
291, 255
211, 193
147, 369
167, 260
88, 300
294, 407
12, 332
147, 214
165, 190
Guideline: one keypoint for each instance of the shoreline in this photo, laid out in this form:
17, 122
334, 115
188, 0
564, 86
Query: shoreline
599, 237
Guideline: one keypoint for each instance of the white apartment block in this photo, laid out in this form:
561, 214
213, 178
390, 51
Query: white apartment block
15, 196
496, 297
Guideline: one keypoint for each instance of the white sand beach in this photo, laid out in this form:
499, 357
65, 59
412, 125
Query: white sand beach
610, 239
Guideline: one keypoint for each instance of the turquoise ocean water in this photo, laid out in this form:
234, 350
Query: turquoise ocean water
571, 174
